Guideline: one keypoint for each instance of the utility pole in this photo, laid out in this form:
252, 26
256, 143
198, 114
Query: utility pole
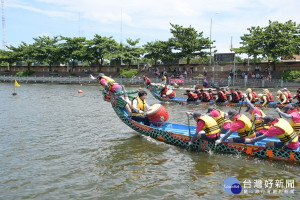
3, 27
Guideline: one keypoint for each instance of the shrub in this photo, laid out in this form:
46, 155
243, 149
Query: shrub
128, 73
24, 73
291, 75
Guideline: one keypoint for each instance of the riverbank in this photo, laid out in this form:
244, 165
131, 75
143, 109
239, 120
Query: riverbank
253, 83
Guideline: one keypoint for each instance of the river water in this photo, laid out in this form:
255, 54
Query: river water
56, 143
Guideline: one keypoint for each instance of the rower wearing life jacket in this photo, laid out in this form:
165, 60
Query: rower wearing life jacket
235, 97
147, 80
210, 128
111, 86
163, 91
240, 93
264, 99
241, 124
252, 96
280, 128
221, 96
212, 94
281, 97
297, 96
191, 96
220, 118
256, 115
269, 94
164, 79
292, 113
205, 96
199, 93
139, 108
225, 91
288, 95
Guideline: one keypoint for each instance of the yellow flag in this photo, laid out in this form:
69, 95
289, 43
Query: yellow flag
16, 83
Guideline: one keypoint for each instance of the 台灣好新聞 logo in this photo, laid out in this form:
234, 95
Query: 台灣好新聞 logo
232, 186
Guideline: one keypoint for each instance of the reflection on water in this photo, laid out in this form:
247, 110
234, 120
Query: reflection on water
57, 143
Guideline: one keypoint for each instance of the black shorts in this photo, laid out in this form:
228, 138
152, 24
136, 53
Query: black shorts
204, 137
279, 145
240, 140
140, 118
223, 131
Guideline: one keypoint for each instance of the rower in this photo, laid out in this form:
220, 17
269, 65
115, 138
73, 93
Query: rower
280, 128
147, 80
281, 97
297, 96
207, 124
256, 115
163, 91
240, 93
225, 91
221, 96
252, 96
111, 85
291, 113
269, 94
199, 93
205, 96
241, 124
139, 107
212, 94
264, 99
288, 95
235, 97
164, 79
220, 118
191, 96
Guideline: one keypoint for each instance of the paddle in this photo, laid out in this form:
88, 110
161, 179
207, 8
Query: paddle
188, 115
215, 148
290, 141
189, 128
241, 104
249, 134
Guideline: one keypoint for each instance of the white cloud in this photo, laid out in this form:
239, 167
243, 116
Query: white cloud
152, 18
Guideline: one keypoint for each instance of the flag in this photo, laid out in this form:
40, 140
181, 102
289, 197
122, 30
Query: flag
16, 83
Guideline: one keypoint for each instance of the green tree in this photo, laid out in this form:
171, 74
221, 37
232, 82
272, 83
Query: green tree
8, 57
100, 48
47, 50
132, 52
24, 52
273, 42
73, 49
154, 50
187, 41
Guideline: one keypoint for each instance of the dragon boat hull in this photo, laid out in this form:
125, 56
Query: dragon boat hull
178, 135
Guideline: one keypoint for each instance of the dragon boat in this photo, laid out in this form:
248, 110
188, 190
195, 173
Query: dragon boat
181, 134
154, 90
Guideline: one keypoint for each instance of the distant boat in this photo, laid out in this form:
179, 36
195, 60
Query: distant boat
154, 91
15, 89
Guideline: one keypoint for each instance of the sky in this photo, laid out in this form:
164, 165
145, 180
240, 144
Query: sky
147, 20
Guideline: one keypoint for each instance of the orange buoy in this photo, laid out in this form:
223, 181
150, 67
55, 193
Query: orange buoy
80, 91
140, 89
